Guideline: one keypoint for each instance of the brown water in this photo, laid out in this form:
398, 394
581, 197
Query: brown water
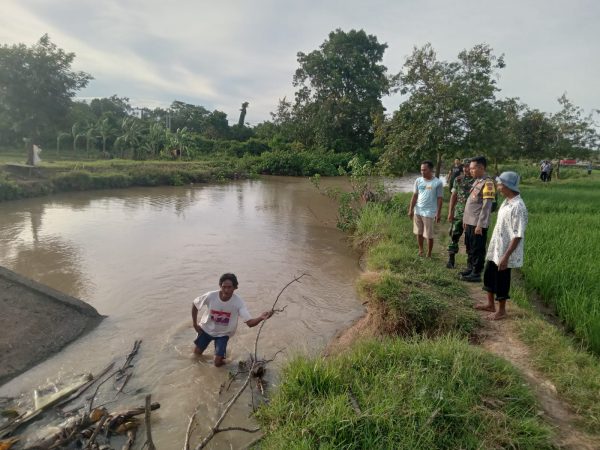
140, 256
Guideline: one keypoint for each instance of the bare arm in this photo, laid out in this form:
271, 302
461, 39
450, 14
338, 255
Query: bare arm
438, 215
452, 206
195, 318
413, 202
511, 248
264, 316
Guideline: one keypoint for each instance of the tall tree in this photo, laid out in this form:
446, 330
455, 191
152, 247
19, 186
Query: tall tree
447, 106
340, 87
36, 88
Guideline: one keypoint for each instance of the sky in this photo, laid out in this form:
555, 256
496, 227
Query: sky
220, 54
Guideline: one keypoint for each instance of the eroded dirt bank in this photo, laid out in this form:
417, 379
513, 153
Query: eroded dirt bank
36, 321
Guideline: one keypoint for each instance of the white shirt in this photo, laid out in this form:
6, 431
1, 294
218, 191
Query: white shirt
220, 318
511, 223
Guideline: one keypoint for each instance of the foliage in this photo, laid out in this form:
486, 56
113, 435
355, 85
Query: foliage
560, 257
447, 107
340, 86
401, 394
36, 88
289, 162
363, 187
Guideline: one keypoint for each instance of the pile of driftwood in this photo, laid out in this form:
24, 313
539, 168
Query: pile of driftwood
83, 426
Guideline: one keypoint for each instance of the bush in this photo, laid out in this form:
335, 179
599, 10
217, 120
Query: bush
9, 190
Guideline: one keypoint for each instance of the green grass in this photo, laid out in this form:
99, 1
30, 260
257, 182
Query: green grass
397, 394
562, 245
412, 294
562, 359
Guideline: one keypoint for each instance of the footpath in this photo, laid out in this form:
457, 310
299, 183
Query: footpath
501, 338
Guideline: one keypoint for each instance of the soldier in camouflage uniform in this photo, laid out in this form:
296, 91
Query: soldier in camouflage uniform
460, 192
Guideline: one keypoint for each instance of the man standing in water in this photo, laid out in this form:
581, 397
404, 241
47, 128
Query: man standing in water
460, 192
219, 321
476, 218
426, 206
506, 246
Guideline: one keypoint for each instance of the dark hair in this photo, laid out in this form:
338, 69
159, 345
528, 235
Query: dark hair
480, 160
229, 276
428, 163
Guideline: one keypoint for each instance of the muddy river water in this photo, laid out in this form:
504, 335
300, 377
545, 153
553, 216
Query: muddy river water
140, 256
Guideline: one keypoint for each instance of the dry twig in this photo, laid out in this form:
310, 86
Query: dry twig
148, 428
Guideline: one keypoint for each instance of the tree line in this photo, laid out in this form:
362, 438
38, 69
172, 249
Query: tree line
449, 109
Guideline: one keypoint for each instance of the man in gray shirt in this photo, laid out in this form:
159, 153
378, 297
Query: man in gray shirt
476, 218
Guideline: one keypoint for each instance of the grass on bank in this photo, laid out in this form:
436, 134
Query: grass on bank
429, 389
564, 360
399, 394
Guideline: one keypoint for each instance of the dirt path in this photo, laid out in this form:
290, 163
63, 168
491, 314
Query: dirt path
499, 337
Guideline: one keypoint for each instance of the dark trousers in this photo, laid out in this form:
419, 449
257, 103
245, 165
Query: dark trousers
475, 244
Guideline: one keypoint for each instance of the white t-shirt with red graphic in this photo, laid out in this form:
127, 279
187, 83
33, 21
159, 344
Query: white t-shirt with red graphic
220, 318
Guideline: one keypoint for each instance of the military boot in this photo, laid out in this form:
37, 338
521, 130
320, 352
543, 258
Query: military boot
450, 263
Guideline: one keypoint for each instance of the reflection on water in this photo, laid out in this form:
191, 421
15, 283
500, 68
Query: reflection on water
140, 256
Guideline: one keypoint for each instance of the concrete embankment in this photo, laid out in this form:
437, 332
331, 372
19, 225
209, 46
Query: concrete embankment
36, 321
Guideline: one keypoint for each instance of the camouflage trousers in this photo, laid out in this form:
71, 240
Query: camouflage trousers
455, 232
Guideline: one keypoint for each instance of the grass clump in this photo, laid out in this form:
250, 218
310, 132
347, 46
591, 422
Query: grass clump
398, 394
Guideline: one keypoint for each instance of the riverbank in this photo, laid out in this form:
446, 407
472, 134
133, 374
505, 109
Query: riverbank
21, 181
406, 383
36, 322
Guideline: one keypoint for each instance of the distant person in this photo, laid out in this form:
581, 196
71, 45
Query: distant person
505, 251
460, 191
454, 172
544, 170
549, 173
589, 168
476, 218
219, 321
426, 206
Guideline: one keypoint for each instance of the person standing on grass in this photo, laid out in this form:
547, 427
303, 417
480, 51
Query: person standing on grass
455, 171
476, 217
219, 321
505, 251
426, 206
460, 192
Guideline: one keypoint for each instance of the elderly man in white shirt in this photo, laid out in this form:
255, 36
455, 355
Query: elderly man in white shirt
505, 250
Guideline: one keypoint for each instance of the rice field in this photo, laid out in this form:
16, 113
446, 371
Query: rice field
562, 251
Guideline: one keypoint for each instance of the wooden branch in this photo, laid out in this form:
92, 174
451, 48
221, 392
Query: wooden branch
147, 421
96, 431
86, 386
296, 279
215, 427
130, 440
247, 430
98, 388
127, 363
190, 430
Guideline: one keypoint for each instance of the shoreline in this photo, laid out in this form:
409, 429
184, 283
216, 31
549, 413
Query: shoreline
30, 314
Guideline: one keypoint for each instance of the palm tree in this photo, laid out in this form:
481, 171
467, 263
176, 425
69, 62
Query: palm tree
59, 137
132, 132
155, 139
105, 129
179, 141
77, 132
90, 135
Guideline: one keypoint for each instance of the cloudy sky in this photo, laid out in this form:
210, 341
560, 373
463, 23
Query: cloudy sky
219, 54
